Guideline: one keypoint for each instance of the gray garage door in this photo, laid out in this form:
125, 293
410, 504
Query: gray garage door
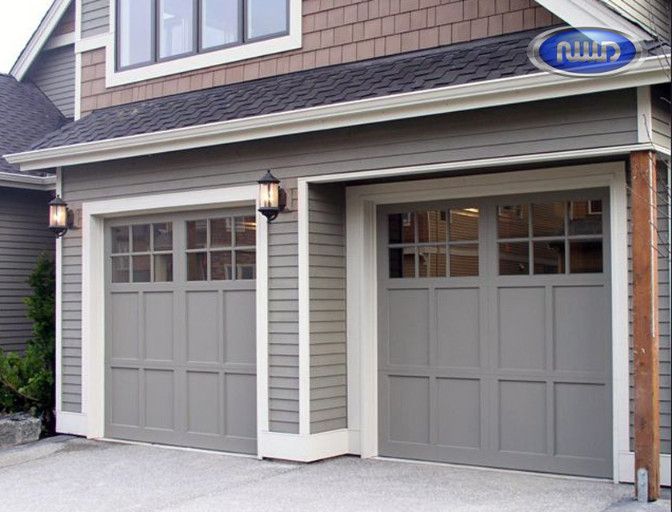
180, 330
494, 333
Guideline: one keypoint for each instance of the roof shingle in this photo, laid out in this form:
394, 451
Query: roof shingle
26, 116
486, 59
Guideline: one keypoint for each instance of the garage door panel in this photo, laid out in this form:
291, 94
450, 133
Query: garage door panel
241, 411
159, 399
123, 313
204, 403
581, 328
181, 344
408, 327
240, 327
159, 326
458, 327
124, 387
458, 413
581, 411
522, 328
508, 366
409, 409
203, 331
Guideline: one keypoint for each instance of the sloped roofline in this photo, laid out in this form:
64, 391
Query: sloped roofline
593, 13
39, 38
454, 98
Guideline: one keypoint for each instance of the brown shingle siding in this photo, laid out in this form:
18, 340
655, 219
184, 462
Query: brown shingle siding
335, 32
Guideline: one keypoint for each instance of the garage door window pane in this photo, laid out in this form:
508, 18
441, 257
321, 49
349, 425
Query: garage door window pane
431, 226
513, 221
585, 256
402, 262
197, 234
246, 231
141, 238
432, 261
585, 217
141, 269
548, 219
549, 257
221, 265
514, 259
246, 262
120, 269
401, 228
266, 18
197, 266
463, 260
176, 27
464, 224
120, 239
220, 232
163, 236
163, 268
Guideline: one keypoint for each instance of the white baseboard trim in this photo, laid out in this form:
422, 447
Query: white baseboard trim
303, 448
354, 442
626, 464
71, 423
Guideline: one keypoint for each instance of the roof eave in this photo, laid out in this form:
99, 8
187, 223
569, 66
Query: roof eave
490, 93
26, 181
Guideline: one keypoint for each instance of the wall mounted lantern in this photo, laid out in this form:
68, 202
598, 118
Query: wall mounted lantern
272, 197
60, 218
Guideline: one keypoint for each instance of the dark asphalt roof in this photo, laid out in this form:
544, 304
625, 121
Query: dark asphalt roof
486, 59
26, 116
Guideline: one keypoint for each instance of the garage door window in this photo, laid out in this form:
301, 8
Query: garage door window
433, 243
557, 237
221, 248
142, 253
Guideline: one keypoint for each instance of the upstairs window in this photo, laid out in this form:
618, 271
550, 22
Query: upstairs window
151, 31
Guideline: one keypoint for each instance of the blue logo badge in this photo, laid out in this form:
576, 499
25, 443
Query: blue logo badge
584, 52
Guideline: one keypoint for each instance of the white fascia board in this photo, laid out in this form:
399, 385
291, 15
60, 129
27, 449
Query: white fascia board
15, 180
592, 13
503, 91
39, 38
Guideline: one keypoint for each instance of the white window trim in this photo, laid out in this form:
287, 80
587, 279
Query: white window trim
114, 77
91, 422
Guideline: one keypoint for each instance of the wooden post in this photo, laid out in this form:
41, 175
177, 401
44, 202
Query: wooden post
645, 317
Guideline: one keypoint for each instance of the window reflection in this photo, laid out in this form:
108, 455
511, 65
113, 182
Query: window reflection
513, 221
585, 256
585, 218
464, 260
432, 261
402, 262
514, 258
464, 224
549, 257
548, 219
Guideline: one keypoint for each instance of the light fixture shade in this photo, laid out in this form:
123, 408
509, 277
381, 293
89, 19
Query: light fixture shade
270, 196
58, 216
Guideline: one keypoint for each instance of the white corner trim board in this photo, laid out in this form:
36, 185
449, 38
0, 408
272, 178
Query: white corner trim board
94, 214
502, 91
303, 448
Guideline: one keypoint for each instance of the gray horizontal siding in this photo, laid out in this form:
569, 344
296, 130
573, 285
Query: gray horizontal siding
663, 312
574, 123
652, 14
23, 237
328, 392
54, 74
660, 115
95, 17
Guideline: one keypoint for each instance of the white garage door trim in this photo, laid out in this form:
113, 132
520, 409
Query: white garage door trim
93, 287
362, 272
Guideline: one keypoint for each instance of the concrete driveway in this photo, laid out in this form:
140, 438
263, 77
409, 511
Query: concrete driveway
69, 474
